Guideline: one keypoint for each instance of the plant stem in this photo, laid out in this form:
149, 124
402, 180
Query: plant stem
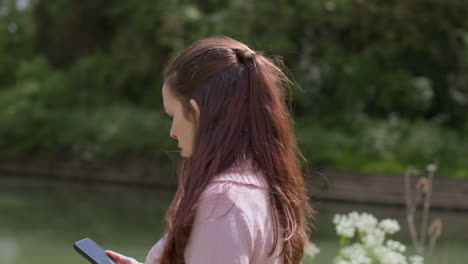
410, 209
427, 204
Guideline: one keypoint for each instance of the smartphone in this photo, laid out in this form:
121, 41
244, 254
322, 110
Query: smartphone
93, 252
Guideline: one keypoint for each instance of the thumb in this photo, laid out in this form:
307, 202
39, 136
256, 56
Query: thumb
118, 257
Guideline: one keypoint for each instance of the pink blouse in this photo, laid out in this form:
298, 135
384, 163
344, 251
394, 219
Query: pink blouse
232, 224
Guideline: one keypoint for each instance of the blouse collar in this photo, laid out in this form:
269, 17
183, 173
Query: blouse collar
244, 173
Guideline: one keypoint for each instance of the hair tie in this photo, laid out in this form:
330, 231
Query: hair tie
246, 57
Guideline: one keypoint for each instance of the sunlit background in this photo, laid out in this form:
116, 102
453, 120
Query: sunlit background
84, 144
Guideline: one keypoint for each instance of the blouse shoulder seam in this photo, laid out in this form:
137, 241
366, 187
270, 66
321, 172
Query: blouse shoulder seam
241, 212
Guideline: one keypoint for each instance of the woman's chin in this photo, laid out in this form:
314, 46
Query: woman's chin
182, 154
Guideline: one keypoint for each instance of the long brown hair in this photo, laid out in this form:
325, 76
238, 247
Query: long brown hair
244, 114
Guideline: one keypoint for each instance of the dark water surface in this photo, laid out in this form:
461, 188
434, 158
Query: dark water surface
40, 220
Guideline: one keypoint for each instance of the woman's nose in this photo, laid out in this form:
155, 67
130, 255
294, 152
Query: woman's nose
172, 135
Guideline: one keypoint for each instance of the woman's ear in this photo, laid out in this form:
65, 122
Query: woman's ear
196, 108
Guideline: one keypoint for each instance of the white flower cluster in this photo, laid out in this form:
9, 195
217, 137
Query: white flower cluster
370, 236
416, 260
354, 254
386, 255
345, 226
389, 226
395, 245
365, 222
311, 250
373, 238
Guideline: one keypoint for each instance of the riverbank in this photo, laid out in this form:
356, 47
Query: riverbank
131, 171
329, 184
384, 189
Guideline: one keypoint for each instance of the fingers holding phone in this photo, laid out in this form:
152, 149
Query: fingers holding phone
121, 258
96, 255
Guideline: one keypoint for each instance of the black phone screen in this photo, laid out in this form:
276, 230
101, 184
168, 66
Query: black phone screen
93, 252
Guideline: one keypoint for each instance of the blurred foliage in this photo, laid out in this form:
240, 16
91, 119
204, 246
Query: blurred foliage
40, 116
390, 145
379, 83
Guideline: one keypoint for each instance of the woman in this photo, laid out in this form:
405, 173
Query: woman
241, 196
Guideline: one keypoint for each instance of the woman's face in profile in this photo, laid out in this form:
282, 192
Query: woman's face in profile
181, 128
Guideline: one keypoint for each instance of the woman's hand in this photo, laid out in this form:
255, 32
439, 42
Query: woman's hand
121, 258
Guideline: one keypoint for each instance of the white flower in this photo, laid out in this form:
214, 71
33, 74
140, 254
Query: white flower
341, 261
337, 218
395, 245
311, 250
389, 226
366, 223
344, 226
370, 247
416, 259
374, 238
393, 257
386, 255
354, 254
354, 216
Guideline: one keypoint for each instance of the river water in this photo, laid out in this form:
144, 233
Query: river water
41, 218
